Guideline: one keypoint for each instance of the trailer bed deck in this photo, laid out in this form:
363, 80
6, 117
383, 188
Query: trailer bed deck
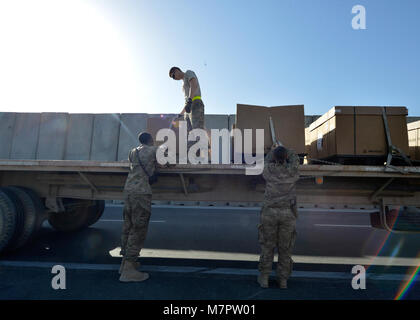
330, 186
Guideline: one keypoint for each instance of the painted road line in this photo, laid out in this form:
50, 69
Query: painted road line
159, 206
343, 225
201, 270
191, 254
251, 208
234, 256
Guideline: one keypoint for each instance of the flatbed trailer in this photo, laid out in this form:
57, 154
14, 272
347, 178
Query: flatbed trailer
320, 186
73, 192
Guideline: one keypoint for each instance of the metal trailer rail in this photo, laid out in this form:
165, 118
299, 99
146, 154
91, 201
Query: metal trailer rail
320, 186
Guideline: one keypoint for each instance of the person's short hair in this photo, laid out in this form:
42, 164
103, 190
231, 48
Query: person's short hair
173, 70
145, 137
280, 154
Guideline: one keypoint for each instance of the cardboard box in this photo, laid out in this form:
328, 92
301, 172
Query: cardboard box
357, 131
414, 140
154, 124
289, 124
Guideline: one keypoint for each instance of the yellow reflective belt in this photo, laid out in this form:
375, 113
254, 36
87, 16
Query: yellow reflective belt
196, 97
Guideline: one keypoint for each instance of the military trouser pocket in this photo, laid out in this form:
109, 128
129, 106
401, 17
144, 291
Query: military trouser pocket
260, 234
292, 239
293, 207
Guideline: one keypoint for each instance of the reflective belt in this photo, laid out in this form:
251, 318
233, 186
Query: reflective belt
196, 97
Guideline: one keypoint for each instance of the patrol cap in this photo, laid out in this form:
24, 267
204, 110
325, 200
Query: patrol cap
280, 153
145, 137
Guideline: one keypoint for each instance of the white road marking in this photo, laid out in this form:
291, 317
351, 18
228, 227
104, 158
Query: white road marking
161, 206
337, 210
234, 256
344, 225
257, 208
203, 270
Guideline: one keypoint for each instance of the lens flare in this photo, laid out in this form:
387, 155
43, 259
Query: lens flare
382, 246
405, 287
408, 284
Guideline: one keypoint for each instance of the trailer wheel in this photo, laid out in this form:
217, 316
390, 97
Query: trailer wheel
20, 216
7, 219
33, 216
74, 218
95, 212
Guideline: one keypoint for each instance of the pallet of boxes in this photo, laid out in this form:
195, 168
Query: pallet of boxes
358, 135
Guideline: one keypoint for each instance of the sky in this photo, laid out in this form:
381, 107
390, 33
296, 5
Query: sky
103, 56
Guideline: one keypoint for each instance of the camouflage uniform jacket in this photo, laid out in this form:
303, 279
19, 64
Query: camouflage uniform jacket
138, 181
280, 180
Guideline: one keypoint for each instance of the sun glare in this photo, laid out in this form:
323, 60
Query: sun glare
63, 56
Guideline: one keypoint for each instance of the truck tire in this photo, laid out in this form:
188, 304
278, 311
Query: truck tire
7, 220
33, 216
20, 216
95, 212
74, 218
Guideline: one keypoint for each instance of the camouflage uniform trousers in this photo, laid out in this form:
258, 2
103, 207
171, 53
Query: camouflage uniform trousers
277, 230
137, 210
196, 115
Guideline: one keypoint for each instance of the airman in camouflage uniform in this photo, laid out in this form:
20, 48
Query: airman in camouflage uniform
278, 215
194, 106
137, 207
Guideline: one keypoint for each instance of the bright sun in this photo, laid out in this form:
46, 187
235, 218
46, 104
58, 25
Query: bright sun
63, 56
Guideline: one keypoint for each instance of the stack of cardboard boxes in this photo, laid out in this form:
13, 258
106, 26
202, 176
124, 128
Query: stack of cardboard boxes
354, 133
357, 133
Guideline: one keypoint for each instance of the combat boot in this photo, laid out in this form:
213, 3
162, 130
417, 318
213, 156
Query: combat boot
130, 274
282, 283
122, 265
263, 280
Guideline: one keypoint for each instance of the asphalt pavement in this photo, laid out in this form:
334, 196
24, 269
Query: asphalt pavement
212, 253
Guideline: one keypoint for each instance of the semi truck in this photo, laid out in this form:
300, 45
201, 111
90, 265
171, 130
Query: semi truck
62, 168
